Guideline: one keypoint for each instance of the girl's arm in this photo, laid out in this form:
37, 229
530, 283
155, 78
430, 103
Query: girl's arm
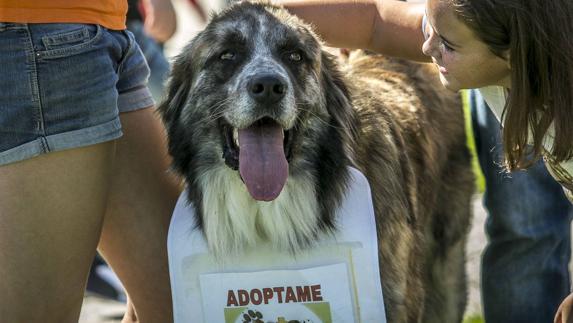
389, 27
160, 19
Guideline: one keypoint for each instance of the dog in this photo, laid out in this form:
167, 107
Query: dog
263, 124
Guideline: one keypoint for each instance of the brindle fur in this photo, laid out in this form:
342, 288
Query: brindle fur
389, 118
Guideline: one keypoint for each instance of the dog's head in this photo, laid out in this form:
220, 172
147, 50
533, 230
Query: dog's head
255, 93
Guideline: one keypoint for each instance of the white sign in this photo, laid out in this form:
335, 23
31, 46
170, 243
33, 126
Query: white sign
338, 280
317, 295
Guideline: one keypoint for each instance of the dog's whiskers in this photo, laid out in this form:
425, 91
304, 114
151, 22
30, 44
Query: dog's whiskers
216, 110
301, 107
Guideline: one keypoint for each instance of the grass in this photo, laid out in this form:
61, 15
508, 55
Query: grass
473, 318
480, 181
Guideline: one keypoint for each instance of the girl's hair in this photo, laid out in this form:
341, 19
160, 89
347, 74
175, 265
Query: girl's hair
538, 35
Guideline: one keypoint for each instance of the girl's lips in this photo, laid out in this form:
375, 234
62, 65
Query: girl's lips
441, 69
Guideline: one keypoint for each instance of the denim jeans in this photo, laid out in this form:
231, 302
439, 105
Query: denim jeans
525, 272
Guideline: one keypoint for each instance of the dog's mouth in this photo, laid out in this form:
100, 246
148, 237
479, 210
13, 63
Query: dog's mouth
261, 153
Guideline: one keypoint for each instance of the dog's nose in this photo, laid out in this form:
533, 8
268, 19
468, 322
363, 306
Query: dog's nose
267, 88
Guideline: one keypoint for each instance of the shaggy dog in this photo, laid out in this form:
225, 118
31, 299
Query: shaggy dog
262, 125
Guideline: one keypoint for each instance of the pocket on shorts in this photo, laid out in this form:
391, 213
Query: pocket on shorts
70, 42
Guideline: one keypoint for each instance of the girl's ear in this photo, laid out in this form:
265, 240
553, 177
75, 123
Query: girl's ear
507, 58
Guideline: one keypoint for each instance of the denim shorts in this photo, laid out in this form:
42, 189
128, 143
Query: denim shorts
63, 86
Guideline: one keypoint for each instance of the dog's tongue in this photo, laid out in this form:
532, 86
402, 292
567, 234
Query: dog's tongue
262, 162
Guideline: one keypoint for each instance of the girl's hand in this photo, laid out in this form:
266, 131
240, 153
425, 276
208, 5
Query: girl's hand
564, 314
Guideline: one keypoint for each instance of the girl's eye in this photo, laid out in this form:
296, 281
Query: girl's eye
295, 57
446, 47
227, 56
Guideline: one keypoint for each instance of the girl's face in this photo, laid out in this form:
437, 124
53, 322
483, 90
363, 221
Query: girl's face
462, 59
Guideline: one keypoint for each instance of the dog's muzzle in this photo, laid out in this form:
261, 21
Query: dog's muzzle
267, 89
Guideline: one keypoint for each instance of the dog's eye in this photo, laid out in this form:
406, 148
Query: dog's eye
295, 57
227, 56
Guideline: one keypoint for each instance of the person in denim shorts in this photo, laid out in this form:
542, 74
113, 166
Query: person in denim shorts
101, 280
83, 164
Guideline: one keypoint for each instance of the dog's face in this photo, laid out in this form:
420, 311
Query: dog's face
254, 101
253, 81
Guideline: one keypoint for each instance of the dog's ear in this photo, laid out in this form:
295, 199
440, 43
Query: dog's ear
336, 152
177, 89
338, 99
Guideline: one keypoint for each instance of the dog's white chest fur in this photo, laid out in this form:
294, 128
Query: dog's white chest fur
233, 221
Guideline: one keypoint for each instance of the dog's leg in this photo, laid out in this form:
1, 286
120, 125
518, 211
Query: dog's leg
403, 289
446, 252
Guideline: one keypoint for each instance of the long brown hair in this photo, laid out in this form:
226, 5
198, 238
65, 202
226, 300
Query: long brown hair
538, 35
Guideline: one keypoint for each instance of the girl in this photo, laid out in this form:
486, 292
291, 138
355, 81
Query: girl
518, 54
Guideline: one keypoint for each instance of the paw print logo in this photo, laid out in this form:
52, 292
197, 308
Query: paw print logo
253, 317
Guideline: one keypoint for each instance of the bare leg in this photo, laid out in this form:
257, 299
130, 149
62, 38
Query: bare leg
51, 212
142, 198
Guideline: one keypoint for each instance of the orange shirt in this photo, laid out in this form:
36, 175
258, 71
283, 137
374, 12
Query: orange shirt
108, 13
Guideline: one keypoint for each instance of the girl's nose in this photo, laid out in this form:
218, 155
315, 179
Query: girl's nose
427, 47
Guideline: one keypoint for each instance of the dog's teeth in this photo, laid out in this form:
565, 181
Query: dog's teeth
236, 136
